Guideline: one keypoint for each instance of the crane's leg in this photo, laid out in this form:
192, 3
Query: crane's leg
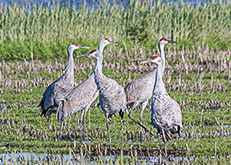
129, 115
144, 104
178, 130
108, 130
165, 142
81, 131
83, 124
61, 127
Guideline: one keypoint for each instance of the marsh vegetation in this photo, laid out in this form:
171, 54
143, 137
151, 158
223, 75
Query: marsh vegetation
203, 93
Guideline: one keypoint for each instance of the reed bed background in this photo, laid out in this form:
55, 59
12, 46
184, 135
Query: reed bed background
43, 31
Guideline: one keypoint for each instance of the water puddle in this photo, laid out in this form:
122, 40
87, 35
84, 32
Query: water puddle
177, 159
3, 107
73, 159
153, 159
91, 3
226, 126
40, 158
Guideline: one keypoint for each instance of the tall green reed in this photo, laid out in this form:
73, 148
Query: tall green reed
146, 22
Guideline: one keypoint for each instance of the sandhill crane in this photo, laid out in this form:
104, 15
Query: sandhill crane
81, 97
61, 87
112, 97
140, 90
166, 114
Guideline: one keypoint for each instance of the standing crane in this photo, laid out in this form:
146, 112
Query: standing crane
112, 97
140, 90
166, 114
81, 97
56, 91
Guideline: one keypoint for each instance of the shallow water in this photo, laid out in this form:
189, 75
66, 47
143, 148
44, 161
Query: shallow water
176, 159
94, 3
73, 159
16, 157
3, 107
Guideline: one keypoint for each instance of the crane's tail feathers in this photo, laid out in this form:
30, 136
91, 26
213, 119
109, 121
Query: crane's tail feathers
178, 131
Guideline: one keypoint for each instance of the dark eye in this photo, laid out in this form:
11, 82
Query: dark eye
74, 44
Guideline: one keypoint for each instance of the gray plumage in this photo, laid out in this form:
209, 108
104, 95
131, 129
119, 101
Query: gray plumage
165, 112
140, 90
56, 91
112, 97
81, 97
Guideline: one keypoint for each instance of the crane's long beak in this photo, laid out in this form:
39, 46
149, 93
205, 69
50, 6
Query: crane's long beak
85, 55
143, 62
170, 41
111, 42
84, 47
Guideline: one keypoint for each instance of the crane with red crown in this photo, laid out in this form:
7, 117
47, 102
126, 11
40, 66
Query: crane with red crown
81, 97
166, 114
140, 90
112, 97
56, 91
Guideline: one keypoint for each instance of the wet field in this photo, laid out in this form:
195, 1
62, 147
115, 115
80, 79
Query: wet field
203, 93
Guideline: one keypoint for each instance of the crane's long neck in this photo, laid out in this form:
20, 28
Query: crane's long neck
101, 47
70, 65
162, 55
98, 68
159, 84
